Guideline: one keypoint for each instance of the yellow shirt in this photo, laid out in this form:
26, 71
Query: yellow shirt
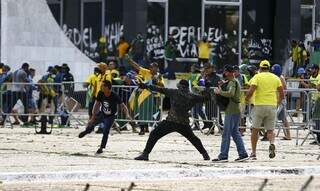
315, 81
92, 80
122, 49
267, 85
296, 54
145, 73
100, 78
204, 50
1, 71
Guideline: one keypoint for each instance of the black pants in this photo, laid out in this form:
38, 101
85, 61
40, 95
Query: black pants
10, 99
165, 127
107, 123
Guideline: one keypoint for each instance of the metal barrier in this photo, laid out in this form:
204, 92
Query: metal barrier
297, 118
70, 102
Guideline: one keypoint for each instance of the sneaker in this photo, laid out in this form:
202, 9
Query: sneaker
219, 160
17, 123
253, 156
143, 156
272, 152
141, 133
206, 156
134, 130
313, 143
196, 128
82, 134
99, 151
241, 159
99, 131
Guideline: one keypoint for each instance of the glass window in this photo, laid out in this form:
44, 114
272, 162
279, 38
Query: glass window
222, 29
185, 26
306, 25
257, 30
55, 8
155, 35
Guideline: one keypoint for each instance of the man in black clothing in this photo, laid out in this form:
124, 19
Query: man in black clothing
106, 101
181, 100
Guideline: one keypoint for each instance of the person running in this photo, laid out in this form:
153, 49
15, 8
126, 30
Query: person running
232, 118
181, 100
107, 102
265, 85
282, 108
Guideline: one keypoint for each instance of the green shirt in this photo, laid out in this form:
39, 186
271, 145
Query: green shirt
315, 58
232, 92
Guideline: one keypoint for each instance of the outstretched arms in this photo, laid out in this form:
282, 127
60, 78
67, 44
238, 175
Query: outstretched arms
133, 63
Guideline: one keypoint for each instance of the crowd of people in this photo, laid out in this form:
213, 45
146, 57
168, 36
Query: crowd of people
265, 87
22, 89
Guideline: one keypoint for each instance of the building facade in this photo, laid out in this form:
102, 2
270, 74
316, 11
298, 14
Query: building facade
267, 26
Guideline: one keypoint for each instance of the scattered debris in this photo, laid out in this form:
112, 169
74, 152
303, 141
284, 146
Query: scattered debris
305, 186
263, 184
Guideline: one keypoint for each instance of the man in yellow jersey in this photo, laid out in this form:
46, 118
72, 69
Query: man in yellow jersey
104, 75
122, 49
1, 68
91, 84
150, 76
204, 49
265, 85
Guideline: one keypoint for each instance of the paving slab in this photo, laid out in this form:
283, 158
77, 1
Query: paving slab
62, 160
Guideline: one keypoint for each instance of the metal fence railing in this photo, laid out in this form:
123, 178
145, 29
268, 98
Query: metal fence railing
67, 104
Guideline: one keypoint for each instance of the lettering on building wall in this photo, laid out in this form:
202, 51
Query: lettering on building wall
112, 32
155, 42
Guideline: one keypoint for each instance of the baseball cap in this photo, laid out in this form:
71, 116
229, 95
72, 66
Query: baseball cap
264, 64
276, 69
184, 83
301, 71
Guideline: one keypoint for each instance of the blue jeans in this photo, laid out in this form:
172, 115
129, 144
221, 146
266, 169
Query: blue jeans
107, 123
231, 129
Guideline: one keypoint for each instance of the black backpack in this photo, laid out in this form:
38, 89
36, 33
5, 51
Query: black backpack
222, 101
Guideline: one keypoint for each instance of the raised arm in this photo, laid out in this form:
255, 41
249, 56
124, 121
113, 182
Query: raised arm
133, 63
166, 91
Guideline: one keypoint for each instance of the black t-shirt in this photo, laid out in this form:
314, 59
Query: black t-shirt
109, 104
